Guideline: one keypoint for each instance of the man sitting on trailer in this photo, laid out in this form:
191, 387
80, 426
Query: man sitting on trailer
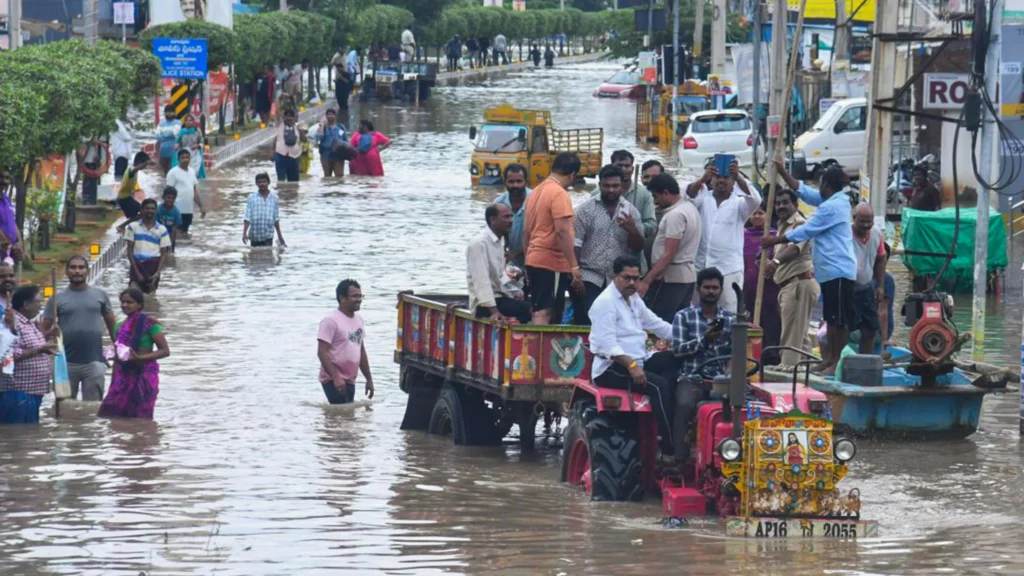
619, 321
485, 264
699, 333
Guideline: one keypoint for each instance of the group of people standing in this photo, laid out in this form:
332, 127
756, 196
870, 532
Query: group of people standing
79, 315
665, 258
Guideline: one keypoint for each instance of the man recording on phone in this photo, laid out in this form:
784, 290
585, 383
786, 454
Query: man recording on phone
699, 333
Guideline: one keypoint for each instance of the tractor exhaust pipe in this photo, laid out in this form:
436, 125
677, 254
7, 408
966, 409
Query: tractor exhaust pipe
738, 366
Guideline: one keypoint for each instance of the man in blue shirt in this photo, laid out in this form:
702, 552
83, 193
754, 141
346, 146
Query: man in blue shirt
835, 264
515, 197
262, 216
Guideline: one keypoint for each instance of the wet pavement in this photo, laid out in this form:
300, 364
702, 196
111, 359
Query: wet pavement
246, 470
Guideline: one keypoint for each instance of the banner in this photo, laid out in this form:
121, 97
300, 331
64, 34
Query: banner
1011, 98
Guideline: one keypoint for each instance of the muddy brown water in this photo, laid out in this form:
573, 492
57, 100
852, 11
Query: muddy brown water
246, 470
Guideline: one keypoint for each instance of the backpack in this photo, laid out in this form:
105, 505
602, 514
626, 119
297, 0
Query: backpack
291, 136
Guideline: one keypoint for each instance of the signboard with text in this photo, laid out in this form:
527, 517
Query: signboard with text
182, 58
124, 13
945, 91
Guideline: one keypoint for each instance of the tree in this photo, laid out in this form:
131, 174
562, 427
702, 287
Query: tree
79, 90
424, 10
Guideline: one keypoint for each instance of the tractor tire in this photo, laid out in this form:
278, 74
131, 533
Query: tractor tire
594, 444
463, 417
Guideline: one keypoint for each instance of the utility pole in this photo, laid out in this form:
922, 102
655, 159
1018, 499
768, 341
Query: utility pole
778, 70
283, 6
698, 33
91, 22
718, 17
841, 44
756, 96
14, 23
677, 65
988, 160
879, 129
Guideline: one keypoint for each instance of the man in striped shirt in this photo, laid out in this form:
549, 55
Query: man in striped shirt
148, 245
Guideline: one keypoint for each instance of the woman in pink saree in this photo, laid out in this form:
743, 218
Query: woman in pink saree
368, 143
136, 379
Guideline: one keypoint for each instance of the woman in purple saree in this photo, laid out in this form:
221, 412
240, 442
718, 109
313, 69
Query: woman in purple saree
136, 379
770, 321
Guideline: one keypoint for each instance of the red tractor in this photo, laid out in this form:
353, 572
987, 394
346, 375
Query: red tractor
769, 456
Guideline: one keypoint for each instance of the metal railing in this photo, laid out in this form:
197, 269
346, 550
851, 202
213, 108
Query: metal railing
98, 263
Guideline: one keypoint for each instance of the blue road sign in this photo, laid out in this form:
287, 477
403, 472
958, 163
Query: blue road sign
183, 58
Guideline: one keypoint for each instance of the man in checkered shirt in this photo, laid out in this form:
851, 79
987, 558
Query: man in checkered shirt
262, 216
699, 333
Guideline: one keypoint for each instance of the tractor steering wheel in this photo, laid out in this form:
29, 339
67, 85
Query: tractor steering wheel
701, 370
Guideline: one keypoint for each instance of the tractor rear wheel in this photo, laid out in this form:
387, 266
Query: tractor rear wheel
601, 457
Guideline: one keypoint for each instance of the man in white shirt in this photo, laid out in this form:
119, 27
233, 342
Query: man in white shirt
725, 202
619, 321
500, 49
485, 264
408, 45
183, 179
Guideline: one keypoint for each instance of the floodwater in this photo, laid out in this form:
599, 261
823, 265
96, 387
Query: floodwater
246, 470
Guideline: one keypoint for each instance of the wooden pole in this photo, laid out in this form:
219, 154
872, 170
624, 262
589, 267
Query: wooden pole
777, 153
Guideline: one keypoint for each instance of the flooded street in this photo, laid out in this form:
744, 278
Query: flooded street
247, 470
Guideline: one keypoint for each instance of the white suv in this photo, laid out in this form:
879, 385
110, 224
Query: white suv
717, 132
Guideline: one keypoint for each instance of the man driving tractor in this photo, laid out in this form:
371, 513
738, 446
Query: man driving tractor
699, 333
618, 339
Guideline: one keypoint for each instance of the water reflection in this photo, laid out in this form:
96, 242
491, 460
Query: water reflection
247, 470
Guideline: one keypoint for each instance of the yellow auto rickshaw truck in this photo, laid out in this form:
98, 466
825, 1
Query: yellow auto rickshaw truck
654, 116
528, 137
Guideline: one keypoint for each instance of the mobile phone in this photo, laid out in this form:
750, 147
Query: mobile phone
722, 163
716, 325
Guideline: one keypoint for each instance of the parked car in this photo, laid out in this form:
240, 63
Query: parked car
836, 138
624, 84
714, 132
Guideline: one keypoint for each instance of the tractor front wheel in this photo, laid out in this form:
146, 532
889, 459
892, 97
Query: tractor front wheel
600, 457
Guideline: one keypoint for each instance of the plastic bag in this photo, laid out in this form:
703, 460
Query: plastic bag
61, 381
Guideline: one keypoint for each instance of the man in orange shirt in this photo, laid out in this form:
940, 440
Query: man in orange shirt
549, 240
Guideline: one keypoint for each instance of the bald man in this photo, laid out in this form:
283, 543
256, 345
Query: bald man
869, 246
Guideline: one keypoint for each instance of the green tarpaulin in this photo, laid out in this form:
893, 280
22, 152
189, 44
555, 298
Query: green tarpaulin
933, 232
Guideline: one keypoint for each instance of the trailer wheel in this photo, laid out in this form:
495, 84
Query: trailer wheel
447, 417
464, 417
600, 457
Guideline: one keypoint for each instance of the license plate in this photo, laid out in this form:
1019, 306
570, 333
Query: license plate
838, 529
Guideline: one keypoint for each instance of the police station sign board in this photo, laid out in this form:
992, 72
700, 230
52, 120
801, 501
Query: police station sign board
182, 58
945, 91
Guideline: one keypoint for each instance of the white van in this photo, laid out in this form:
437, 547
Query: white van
838, 137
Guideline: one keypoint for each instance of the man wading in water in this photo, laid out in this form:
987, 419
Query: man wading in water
340, 347
148, 245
